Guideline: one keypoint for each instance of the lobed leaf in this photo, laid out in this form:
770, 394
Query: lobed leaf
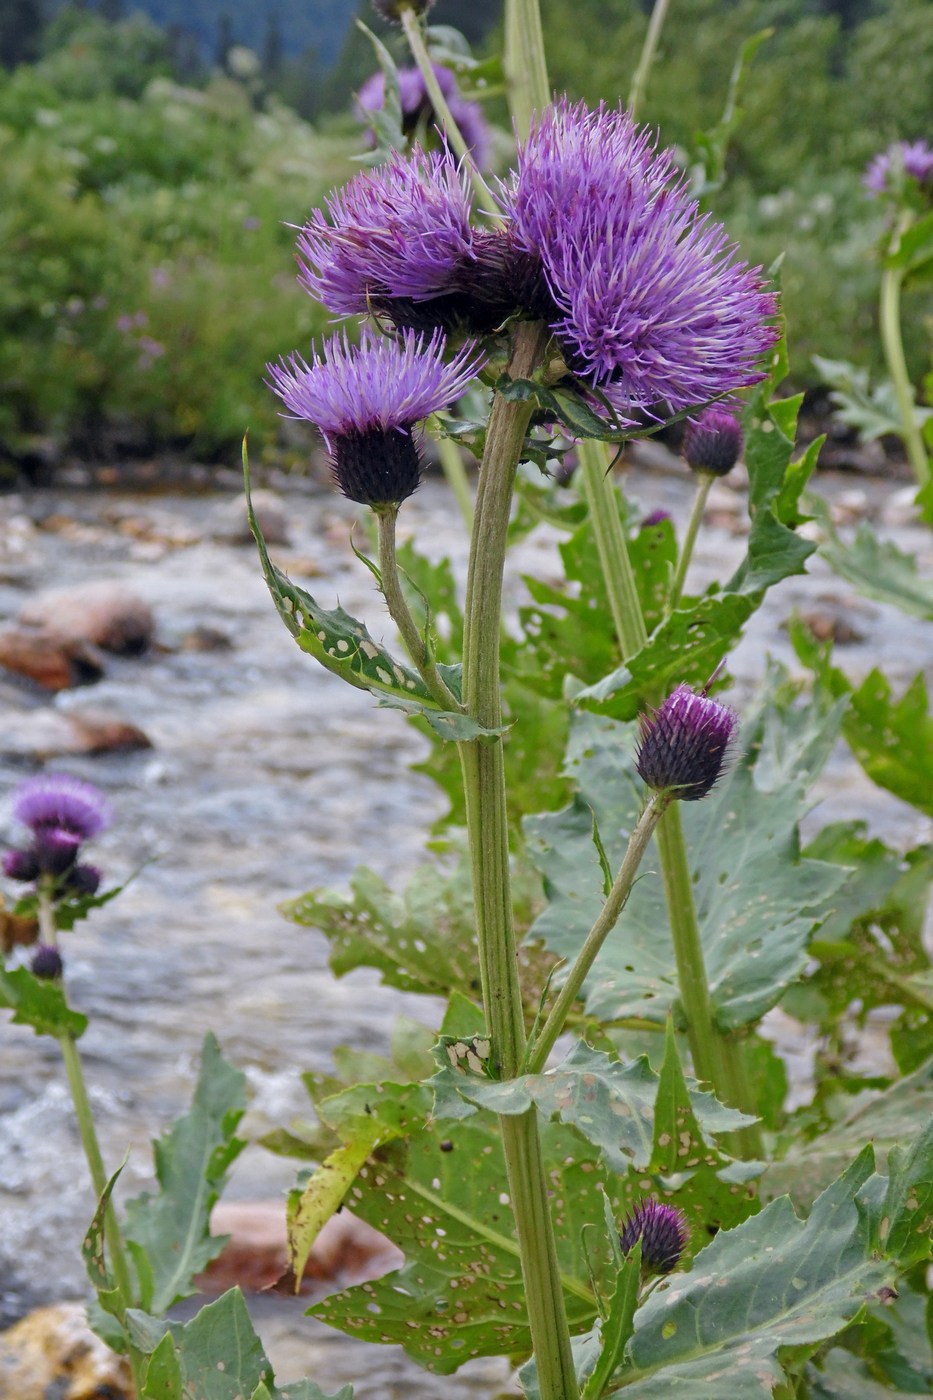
39, 1003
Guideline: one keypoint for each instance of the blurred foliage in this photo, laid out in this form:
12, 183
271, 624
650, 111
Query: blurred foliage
145, 259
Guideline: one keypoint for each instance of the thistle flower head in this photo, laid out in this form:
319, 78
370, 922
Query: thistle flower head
685, 743
713, 441
887, 171
46, 962
393, 239
367, 398
61, 803
20, 865
418, 111
84, 879
663, 1233
55, 849
651, 304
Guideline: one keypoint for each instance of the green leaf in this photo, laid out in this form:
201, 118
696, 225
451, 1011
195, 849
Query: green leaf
39, 1003
440, 1193
875, 568
609, 1103
915, 246
170, 1232
93, 1252
906, 1220
713, 144
888, 1117
615, 1329
893, 739
420, 941
777, 1283
757, 900
164, 1377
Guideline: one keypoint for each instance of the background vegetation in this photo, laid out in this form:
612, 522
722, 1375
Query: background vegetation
147, 185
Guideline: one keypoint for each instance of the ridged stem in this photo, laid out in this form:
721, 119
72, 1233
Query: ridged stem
411, 23
525, 63
415, 643
717, 1057
690, 538
892, 342
605, 923
487, 824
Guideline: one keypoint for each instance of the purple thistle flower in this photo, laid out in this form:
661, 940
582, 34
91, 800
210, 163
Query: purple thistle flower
663, 1233
367, 398
417, 110
713, 441
55, 849
46, 962
910, 159
396, 238
650, 303
84, 879
56, 801
684, 744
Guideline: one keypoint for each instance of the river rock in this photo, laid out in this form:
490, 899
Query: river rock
47, 733
51, 659
347, 1250
53, 1352
229, 520
101, 613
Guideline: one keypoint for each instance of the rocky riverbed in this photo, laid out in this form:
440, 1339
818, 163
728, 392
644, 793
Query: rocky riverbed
265, 776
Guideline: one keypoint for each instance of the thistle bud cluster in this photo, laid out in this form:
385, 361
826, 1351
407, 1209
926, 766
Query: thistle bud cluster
60, 813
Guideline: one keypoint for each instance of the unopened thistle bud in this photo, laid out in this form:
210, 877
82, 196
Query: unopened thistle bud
684, 744
663, 1234
46, 962
713, 441
20, 865
391, 10
83, 879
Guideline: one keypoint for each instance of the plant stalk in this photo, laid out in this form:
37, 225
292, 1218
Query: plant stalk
525, 64
419, 52
88, 1134
612, 548
415, 644
686, 549
893, 345
649, 49
487, 824
605, 923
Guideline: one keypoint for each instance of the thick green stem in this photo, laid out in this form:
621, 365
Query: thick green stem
457, 480
525, 63
415, 643
411, 23
606, 922
612, 547
484, 780
717, 1057
686, 549
893, 345
649, 49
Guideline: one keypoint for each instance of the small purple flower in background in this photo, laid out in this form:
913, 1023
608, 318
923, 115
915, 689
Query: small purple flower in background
713, 441
650, 303
685, 743
61, 813
663, 1233
395, 242
655, 517
417, 111
366, 400
910, 159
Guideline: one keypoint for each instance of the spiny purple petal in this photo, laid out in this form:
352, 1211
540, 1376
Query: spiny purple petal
57, 800
652, 306
379, 384
401, 231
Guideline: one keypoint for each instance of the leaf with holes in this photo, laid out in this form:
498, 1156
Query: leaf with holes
757, 900
773, 1283
420, 941
169, 1234
440, 1194
611, 1104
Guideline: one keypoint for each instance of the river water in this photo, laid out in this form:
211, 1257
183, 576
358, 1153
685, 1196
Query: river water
267, 776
